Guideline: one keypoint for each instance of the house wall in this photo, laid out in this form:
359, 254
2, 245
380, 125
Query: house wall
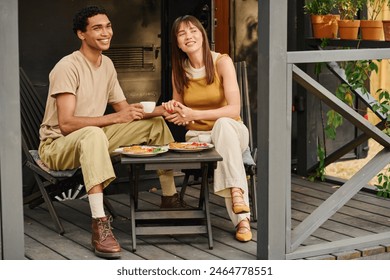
244, 45
47, 36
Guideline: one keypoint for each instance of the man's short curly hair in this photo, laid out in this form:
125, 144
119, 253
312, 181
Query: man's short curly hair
80, 20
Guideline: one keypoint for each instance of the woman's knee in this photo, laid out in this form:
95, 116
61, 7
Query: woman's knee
224, 122
223, 125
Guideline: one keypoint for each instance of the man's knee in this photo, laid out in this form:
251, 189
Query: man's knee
94, 135
158, 121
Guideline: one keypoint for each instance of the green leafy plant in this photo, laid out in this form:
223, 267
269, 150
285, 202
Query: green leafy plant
357, 74
320, 170
384, 184
376, 8
319, 7
383, 107
348, 9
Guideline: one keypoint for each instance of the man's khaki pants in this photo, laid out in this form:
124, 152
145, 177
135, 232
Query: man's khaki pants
90, 148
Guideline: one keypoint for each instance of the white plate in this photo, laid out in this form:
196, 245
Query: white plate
202, 146
157, 150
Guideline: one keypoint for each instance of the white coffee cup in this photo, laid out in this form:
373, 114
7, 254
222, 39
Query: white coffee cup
148, 106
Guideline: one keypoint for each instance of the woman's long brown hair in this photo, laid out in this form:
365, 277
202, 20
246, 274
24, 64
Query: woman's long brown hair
178, 56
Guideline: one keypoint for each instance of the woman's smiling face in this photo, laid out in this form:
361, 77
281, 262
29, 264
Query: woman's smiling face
189, 37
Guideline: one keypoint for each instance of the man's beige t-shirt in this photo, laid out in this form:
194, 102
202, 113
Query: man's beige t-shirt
94, 88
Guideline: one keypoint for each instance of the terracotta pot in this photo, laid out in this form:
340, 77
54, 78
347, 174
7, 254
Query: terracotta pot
371, 29
348, 29
386, 29
324, 26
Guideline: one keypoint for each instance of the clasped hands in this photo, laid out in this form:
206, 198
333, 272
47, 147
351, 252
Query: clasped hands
177, 113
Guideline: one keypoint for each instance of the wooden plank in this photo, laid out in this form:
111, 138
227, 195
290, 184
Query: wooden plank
177, 247
151, 197
348, 255
375, 250
367, 212
387, 246
217, 211
385, 256
197, 246
324, 234
339, 246
338, 199
35, 250
339, 106
198, 241
161, 215
339, 55
170, 230
364, 197
222, 249
51, 239
123, 209
346, 148
322, 257
341, 228
76, 218
68, 210
349, 215
225, 246
344, 217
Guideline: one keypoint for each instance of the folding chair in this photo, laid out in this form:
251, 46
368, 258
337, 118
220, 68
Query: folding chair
250, 155
52, 185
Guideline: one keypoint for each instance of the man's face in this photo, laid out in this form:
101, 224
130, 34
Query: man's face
98, 33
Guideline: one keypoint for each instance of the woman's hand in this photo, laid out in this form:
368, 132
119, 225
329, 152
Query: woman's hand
170, 106
177, 119
178, 113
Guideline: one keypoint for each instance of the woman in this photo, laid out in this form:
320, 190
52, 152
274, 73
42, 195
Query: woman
206, 99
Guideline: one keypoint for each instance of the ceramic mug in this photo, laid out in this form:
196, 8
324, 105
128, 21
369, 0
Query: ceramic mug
148, 106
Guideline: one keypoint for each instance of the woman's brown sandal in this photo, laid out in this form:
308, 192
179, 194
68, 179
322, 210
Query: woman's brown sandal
243, 231
238, 202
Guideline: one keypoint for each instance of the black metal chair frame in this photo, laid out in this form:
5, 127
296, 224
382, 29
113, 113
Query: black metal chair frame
242, 79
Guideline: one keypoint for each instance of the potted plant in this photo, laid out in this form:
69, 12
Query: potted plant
348, 24
324, 23
371, 28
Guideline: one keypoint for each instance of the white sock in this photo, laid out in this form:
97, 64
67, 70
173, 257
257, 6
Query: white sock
167, 182
96, 204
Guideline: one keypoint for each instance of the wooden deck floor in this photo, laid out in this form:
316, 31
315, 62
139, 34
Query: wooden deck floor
364, 214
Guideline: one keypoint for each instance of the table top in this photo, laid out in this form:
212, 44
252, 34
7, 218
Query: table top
210, 155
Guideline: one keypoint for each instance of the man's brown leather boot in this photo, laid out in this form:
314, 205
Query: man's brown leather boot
172, 201
103, 241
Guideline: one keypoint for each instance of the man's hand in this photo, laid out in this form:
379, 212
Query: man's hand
130, 113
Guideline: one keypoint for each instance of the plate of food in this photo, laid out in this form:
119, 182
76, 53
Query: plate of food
142, 150
189, 146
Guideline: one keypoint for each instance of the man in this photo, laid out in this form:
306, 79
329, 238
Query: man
75, 132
